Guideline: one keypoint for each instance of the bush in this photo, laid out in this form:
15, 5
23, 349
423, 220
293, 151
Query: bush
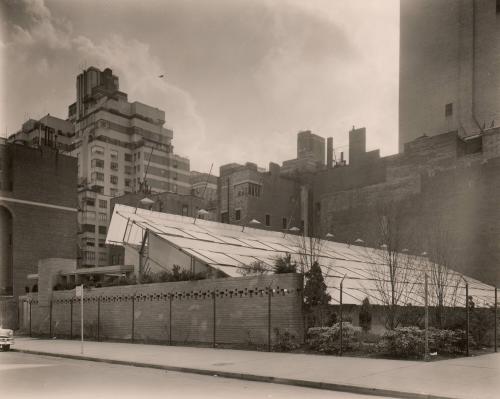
254, 268
409, 342
365, 315
285, 265
285, 341
327, 339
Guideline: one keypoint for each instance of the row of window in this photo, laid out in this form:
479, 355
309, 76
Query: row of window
103, 204
90, 242
100, 151
91, 228
90, 256
89, 215
245, 189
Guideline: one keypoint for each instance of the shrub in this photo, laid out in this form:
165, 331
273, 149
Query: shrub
253, 268
365, 315
315, 292
327, 339
408, 342
285, 265
285, 341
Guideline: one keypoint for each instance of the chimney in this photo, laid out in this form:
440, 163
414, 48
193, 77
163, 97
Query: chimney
329, 152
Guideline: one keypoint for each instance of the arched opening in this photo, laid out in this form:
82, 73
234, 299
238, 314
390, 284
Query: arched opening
6, 267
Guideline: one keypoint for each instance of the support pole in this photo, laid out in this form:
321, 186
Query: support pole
170, 319
214, 314
133, 317
467, 315
71, 319
496, 320
426, 354
269, 294
50, 318
98, 318
341, 316
30, 318
81, 319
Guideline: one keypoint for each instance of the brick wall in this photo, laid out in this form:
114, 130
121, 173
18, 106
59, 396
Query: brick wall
182, 312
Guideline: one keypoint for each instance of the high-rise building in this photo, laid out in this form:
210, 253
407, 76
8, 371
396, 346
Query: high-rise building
122, 147
310, 154
449, 67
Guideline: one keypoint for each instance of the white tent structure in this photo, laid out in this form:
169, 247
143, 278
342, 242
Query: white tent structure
172, 239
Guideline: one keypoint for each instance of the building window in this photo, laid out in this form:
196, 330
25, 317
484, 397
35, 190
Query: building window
284, 223
448, 110
113, 179
128, 157
97, 176
127, 182
102, 257
102, 229
114, 155
97, 163
103, 217
103, 204
114, 165
102, 243
224, 217
88, 255
90, 228
113, 192
98, 150
90, 241
89, 201
89, 215
237, 214
268, 220
128, 170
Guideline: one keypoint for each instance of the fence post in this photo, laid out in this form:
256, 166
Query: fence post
71, 319
214, 313
170, 318
269, 295
98, 317
50, 318
496, 321
467, 315
133, 316
30, 318
341, 315
426, 293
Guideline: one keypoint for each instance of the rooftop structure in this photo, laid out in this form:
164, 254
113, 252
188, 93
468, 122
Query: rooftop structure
159, 240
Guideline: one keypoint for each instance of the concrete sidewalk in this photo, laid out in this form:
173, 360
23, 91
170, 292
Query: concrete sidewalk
474, 377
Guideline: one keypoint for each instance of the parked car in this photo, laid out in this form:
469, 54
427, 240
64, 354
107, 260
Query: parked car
6, 338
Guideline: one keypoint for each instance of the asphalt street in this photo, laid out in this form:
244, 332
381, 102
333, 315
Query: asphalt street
33, 376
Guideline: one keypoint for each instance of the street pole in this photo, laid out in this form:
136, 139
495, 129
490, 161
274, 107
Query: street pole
214, 316
269, 320
467, 314
496, 306
81, 318
341, 315
426, 355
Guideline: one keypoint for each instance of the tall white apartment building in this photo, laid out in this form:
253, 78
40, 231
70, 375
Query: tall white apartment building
116, 142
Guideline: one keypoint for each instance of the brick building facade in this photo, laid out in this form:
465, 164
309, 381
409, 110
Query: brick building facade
440, 179
38, 210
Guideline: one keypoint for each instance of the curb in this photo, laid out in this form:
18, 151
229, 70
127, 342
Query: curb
356, 389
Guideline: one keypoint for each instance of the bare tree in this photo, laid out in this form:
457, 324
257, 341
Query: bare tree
442, 257
393, 270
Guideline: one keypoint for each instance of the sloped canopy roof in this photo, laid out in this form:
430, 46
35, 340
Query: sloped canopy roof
227, 248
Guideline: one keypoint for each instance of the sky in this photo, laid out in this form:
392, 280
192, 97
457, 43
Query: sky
241, 77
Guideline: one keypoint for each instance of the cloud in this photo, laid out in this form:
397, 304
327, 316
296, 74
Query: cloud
138, 70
